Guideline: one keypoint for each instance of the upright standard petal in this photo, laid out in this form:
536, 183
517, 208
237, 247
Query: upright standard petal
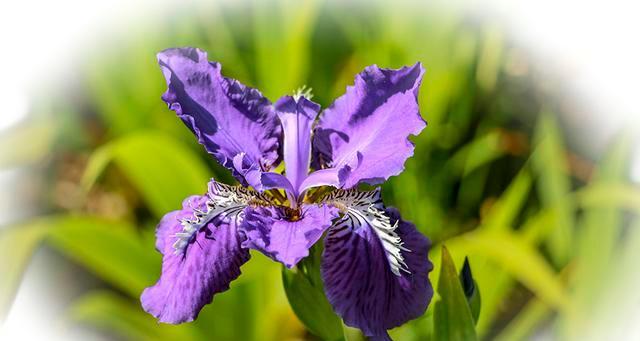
227, 117
375, 267
297, 117
364, 133
201, 253
285, 234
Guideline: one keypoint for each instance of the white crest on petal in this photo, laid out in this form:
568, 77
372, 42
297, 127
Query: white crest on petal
223, 201
366, 207
302, 91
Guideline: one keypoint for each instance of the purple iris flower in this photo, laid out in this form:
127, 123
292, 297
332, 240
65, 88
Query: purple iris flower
374, 265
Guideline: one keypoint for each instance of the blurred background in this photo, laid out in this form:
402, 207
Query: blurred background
528, 165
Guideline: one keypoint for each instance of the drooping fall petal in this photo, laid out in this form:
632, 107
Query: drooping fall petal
374, 265
193, 272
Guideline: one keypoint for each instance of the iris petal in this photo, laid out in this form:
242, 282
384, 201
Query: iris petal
228, 117
364, 133
297, 117
321, 177
374, 266
192, 273
283, 237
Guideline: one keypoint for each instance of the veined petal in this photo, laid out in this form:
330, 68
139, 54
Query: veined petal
283, 234
374, 266
297, 117
223, 201
228, 117
201, 253
364, 133
190, 279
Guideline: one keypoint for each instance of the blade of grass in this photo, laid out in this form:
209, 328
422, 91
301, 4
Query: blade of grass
601, 229
112, 250
163, 169
495, 281
519, 259
282, 41
115, 314
453, 319
17, 245
549, 162
504, 211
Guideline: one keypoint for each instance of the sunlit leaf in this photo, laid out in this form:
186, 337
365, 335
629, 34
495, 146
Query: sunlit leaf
160, 167
305, 292
112, 250
497, 282
550, 163
17, 244
525, 322
31, 150
117, 315
504, 211
519, 259
480, 151
453, 319
283, 35
490, 57
601, 231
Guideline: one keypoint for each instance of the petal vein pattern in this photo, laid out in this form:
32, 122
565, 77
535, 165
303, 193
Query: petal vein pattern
234, 122
223, 201
374, 265
365, 133
366, 208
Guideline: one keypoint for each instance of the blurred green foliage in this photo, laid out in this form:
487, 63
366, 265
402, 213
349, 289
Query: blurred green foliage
492, 177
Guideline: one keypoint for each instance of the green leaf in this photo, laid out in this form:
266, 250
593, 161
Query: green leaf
519, 259
504, 212
283, 34
602, 228
525, 321
471, 290
495, 281
116, 314
453, 319
490, 60
31, 150
618, 195
305, 293
163, 169
477, 153
112, 250
554, 185
17, 244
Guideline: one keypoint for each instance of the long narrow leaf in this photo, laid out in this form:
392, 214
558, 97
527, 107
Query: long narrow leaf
160, 167
453, 318
17, 244
112, 250
117, 315
550, 163
519, 259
